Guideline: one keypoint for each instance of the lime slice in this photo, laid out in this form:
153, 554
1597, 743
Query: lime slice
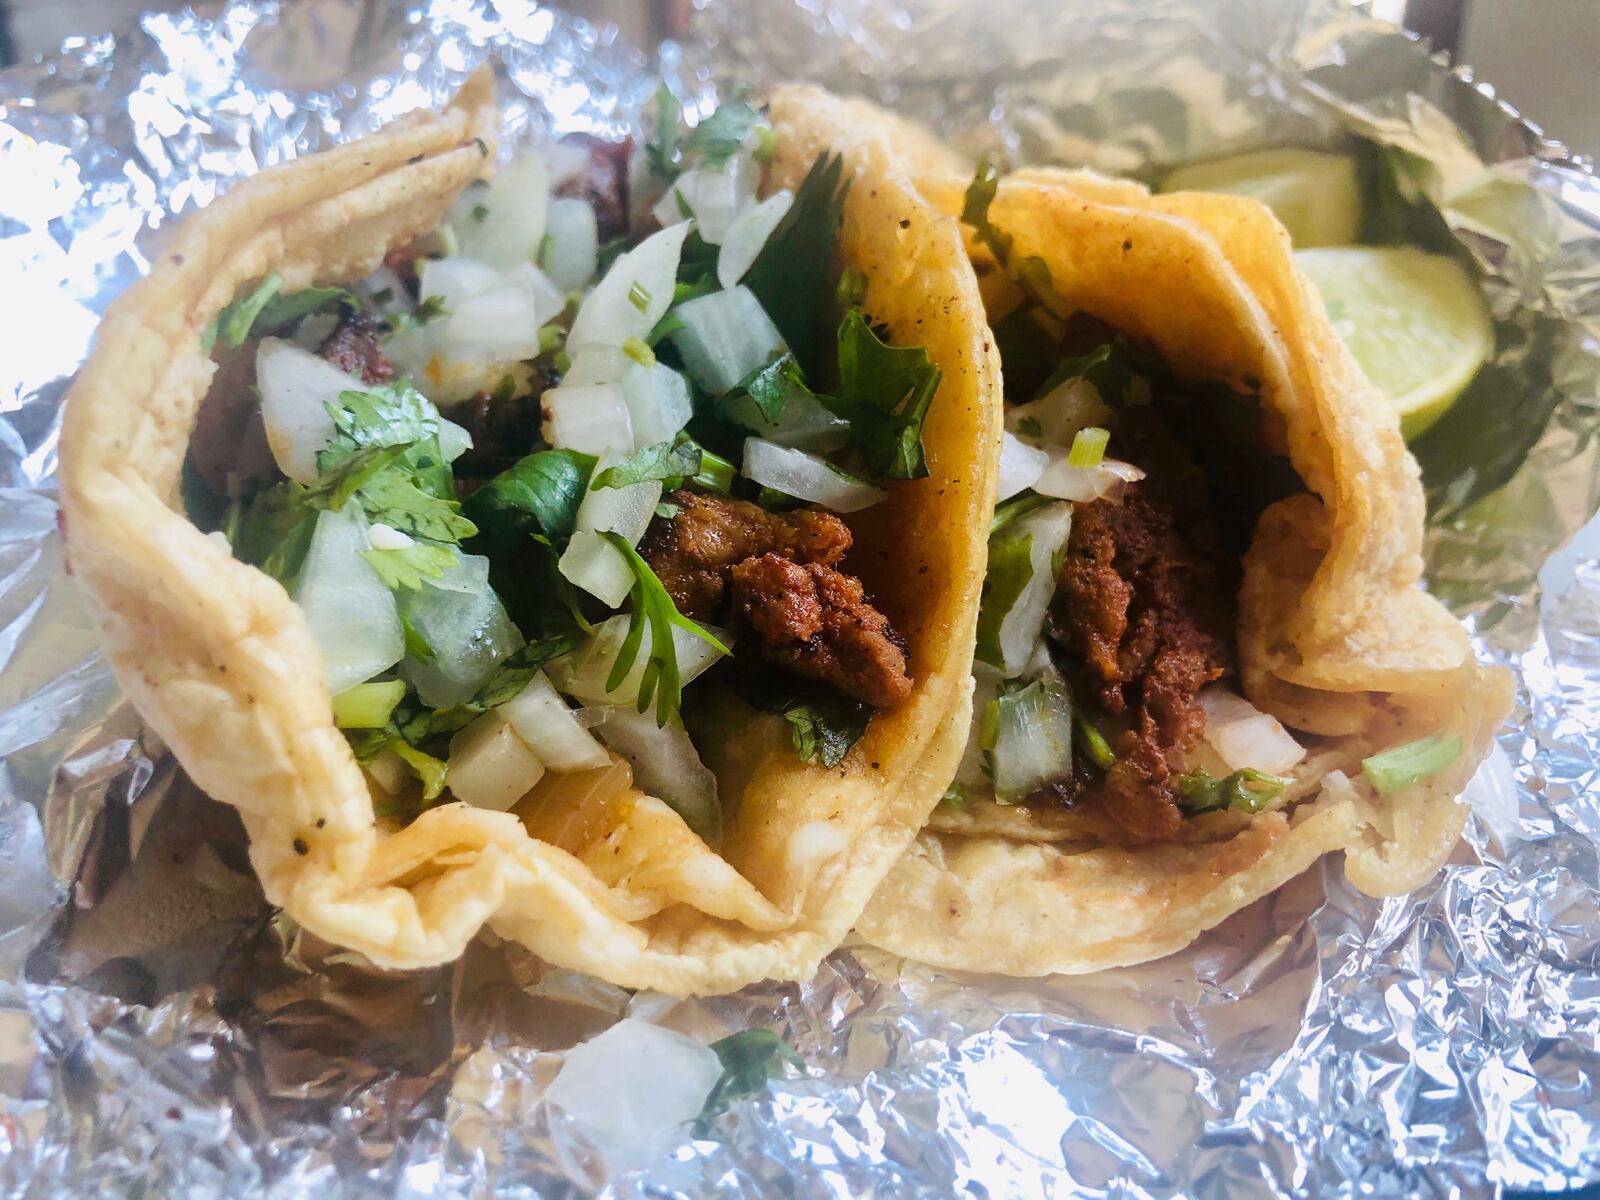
1314, 194
1416, 323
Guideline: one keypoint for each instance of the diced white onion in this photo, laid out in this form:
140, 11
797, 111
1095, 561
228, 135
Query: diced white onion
1244, 736
1020, 465
1059, 414
596, 364
986, 683
633, 295
658, 400
388, 770
350, 612
386, 537
594, 564
665, 764
571, 254
296, 389
748, 234
455, 280
634, 1088
714, 196
314, 329
490, 766
551, 729
489, 314
590, 418
725, 336
584, 672
514, 223
1020, 627
1082, 484
385, 283
464, 622
1033, 740
591, 561
806, 477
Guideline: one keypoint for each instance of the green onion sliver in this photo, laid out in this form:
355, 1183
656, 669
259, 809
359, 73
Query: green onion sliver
639, 350
639, 296
1088, 447
551, 337
1093, 743
367, 705
1401, 766
716, 473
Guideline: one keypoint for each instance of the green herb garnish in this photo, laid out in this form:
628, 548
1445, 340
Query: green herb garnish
884, 392
791, 275
1246, 790
824, 723
653, 606
750, 1059
722, 135
409, 566
665, 460
1401, 766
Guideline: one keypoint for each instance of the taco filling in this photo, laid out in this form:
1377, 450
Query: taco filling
577, 456
1108, 698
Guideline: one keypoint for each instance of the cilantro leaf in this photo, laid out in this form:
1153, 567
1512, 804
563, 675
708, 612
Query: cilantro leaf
282, 311
749, 1059
1030, 274
264, 311
382, 415
537, 494
653, 606
722, 135
390, 497
274, 530
770, 388
791, 275
1104, 366
824, 723
955, 796
678, 459
432, 771
661, 151
417, 646
884, 392
510, 676
233, 323
408, 566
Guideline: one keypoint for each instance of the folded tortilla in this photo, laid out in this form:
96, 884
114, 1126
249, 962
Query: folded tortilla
220, 660
1335, 636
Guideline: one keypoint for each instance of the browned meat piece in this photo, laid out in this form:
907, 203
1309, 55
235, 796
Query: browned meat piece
229, 440
503, 430
818, 623
693, 551
353, 346
1145, 602
603, 182
402, 260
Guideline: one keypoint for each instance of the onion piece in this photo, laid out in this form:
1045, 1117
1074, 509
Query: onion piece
748, 234
724, 337
584, 672
454, 441
633, 295
296, 389
1055, 418
490, 766
591, 561
551, 729
1028, 736
1244, 736
1024, 560
667, 765
714, 196
513, 222
1020, 465
590, 418
804, 424
658, 400
806, 477
1083, 484
573, 250
463, 621
350, 611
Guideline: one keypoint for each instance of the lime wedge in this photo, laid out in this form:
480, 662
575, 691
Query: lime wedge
1416, 323
1314, 194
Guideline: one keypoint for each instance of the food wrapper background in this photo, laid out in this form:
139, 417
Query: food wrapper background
160, 1030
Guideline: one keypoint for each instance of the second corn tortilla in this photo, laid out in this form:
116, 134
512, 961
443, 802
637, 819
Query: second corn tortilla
1335, 635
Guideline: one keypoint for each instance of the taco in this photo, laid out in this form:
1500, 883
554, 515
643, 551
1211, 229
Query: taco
438, 524
1204, 655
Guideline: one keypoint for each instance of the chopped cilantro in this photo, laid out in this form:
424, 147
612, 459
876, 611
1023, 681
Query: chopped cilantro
749, 1058
537, 494
884, 392
653, 606
722, 135
409, 566
1030, 274
665, 460
1247, 790
791, 275
661, 151
824, 723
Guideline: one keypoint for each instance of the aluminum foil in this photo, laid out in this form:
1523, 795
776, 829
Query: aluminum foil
163, 1033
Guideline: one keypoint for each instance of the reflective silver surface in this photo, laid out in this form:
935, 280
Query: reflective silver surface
162, 1033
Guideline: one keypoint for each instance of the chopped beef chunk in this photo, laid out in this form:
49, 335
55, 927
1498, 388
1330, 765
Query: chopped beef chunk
503, 430
229, 440
1144, 602
603, 181
353, 346
693, 551
817, 622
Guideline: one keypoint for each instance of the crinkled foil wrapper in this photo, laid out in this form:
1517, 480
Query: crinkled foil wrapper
163, 1033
